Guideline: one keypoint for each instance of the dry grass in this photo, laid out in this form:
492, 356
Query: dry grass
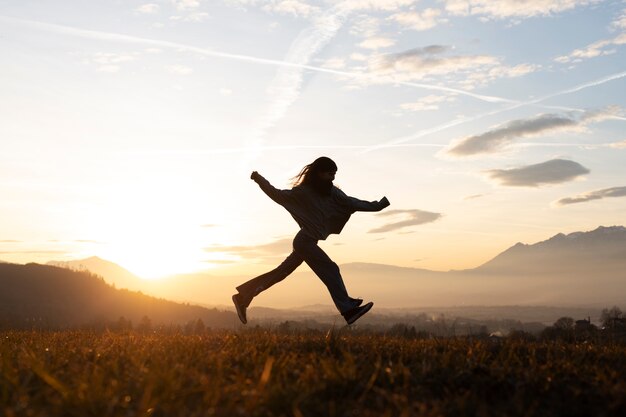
265, 373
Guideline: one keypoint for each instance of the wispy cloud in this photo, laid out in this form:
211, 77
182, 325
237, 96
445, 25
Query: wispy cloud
618, 145
375, 5
365, 26
417, 63
415, 20
620, 22
109, 62
473, 196
186, 4
267, 250
412, 217
377, 42
593, 195
430, 102
179, 69
148, 8
555, 171
506, 9
193, 16
501, 137
467, 72
334, 63
284, 89
593, 50
295, 8
462, 120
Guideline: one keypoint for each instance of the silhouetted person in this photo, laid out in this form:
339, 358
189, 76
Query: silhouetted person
320, 209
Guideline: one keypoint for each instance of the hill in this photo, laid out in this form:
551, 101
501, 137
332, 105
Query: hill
113, 273
49, 296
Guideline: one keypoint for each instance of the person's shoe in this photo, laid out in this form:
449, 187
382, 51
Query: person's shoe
354, 314
240, 306
357, 301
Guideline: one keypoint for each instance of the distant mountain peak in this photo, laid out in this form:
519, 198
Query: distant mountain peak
563, 249
110, 271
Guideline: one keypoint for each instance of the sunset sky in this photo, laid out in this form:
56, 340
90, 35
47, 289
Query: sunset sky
128, 129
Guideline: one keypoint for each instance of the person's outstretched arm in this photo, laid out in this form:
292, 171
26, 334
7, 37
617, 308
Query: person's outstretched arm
361, 205
279, 196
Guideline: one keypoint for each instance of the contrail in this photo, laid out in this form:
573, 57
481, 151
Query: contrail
457, 122
115, 37
252, 149
285, 88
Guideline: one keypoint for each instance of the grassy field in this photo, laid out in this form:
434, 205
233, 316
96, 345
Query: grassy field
265, 373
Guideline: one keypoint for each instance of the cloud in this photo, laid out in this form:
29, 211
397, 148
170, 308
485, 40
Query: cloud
473, 196
430, 102
593, 195
191, 17
149, 8
334, 63
268, 250
593, 50
109, 62
599, 48
179, 69
186, 4
618, 145
515, 105
106, 58
285, 88
413, 218
375, 5
505, 9
419, 63
502, 136
487, 75
377, 42
295, 8
427, 19
365, 26
620, 22
555, 171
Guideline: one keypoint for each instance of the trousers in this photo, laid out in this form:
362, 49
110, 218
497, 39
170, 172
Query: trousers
305, 249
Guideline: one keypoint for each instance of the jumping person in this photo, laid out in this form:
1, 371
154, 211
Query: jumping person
320, 209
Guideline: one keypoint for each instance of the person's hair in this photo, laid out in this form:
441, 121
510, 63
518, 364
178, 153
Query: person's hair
309, 175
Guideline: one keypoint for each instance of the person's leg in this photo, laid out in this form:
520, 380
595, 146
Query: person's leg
325, 269
255, 286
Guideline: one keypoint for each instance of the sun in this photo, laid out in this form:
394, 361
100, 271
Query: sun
154, 228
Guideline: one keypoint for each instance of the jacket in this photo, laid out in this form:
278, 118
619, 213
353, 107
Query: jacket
317, 215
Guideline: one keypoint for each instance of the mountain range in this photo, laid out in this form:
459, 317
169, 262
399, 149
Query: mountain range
581, 269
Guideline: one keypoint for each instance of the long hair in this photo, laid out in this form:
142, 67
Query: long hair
309, 175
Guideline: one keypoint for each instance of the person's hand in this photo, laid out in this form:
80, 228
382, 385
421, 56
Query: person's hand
384, 202
255, 176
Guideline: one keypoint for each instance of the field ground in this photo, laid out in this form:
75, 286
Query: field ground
268, 373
